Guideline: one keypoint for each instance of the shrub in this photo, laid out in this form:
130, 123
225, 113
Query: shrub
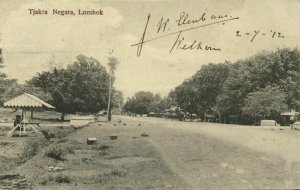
103, 147
46, 134
57, 152
43, 181
57, 179
62, 179
31, 149
118, 172
111, 175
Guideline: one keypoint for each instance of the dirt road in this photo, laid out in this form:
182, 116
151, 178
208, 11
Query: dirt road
218, 156
150, 153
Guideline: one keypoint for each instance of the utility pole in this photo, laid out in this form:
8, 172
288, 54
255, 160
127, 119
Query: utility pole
1, 58
112, 64
109, 97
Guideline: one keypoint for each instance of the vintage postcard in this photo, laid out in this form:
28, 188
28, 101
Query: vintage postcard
149, 94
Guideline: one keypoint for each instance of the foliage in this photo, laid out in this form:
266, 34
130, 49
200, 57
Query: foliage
81, 87
6, 85
13, 89
112, 64
117, 101
31, 149
58, 152
50, 179
242, 88
55, 152
278, 69
199, 93
144, 102
269, 101
62, 179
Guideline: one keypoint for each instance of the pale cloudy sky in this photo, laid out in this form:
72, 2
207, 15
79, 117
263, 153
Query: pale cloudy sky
30, 42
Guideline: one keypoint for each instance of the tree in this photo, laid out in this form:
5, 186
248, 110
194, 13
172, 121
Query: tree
2, 79
280, 68
222, 89
8, 87
198, 94
268, 103
158, 104
82, 87
112, 64
117, 101
14, 89
139, 103
145, 102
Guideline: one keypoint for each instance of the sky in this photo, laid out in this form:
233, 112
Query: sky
30, 42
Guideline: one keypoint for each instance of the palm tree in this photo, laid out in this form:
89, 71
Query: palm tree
112, 64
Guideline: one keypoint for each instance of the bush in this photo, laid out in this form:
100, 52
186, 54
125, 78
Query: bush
111, 175
62, 179
103, 147
118, 172
57, 152
31, 149
46, 134
57, 179
44, 181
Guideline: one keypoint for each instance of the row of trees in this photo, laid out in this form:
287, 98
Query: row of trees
82, 87
250, 89
145, 102
246, 91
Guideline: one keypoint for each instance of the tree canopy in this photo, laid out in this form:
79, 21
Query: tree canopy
145, 102
81, 87
199, 93
266, 83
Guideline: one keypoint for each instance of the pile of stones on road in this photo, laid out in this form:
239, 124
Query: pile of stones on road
14, 181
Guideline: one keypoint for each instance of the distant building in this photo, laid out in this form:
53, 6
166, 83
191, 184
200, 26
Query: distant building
293, 115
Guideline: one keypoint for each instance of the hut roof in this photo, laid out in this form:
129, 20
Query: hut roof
27, 101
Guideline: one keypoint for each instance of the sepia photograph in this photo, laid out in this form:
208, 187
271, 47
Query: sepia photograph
149, 94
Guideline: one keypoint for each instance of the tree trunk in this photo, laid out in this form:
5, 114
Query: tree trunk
109, 116
62, 117
109, 98
31, 114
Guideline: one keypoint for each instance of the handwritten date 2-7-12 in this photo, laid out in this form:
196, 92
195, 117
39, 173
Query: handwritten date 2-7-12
256, 34
180, 25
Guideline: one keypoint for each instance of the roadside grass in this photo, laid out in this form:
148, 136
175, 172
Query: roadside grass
17, 151
32, 147
54, 178
59, 151
164, 158
123, 163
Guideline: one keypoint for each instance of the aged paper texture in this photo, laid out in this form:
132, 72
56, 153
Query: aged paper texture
198, 94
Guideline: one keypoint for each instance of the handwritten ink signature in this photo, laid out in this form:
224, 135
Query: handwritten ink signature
180, 42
